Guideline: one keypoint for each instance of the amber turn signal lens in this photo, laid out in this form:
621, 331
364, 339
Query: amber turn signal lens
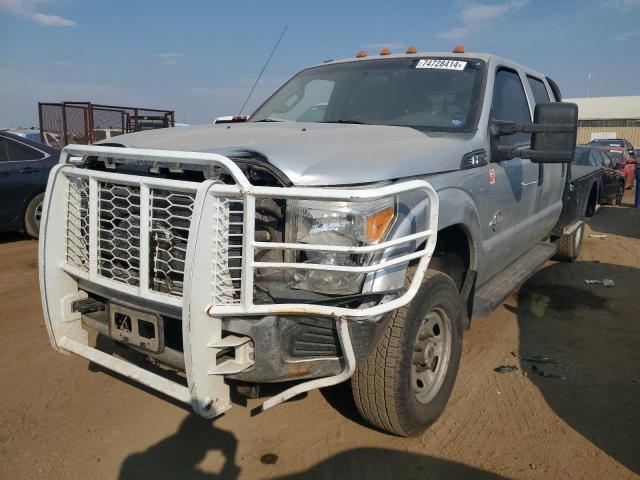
378, 223
385, 51
361, 54
458, 49
412, 49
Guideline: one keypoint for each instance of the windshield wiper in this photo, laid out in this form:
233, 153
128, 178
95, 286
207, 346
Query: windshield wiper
354, 122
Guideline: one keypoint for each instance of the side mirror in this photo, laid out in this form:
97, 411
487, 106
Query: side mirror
553, 134
231, 119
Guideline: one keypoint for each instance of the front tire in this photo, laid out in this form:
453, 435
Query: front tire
33, 215
403, 386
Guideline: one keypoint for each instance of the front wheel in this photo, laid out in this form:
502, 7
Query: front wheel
403, 386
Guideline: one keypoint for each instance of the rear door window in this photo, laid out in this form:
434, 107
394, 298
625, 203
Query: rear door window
554, 89
540, 94
510, 103
596, 160
18, 152
3, 151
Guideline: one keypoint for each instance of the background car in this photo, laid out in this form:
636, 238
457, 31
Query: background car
624, 162
24, 170
612, 180
31, 134
613, 142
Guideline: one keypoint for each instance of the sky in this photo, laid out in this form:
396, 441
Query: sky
200, 58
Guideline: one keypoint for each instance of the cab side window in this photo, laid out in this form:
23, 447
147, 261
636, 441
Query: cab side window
510, 103
17, 152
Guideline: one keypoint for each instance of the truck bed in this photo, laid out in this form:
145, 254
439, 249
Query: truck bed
577, 190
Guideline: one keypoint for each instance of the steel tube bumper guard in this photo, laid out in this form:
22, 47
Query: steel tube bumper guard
207, 392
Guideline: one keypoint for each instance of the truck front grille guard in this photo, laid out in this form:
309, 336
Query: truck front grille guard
75, 194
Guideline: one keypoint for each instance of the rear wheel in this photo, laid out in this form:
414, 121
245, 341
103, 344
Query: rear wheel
568, 246
404, 384
33, 215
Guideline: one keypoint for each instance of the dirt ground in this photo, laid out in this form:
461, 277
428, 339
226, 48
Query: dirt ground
576, 416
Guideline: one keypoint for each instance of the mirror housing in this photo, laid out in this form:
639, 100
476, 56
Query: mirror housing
553, 134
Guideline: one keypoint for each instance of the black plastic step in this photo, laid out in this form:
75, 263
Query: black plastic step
495, 291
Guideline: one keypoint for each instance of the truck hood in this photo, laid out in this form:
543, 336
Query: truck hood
316, 153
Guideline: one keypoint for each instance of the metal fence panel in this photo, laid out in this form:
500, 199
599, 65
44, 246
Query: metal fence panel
84, 123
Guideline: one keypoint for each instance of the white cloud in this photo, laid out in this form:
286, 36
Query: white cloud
54, 20
28, 8
476, 16
168, 58
623, 5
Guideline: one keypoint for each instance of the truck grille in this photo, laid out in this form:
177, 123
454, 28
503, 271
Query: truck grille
119, 233
227, 254
77, 239
170, 220
120, 237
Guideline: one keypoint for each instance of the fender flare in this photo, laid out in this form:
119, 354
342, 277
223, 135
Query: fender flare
457, 207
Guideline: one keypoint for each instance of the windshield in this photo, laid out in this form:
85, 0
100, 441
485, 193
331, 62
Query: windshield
615, 156
424, 93
609, 142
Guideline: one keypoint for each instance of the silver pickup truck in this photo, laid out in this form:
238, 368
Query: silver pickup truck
349, 229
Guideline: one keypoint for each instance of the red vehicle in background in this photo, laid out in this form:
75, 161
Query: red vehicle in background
623, 155
623, 162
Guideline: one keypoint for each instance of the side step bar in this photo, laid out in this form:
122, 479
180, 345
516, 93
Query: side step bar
495, 291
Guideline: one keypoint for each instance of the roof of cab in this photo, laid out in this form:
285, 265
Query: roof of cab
487, 57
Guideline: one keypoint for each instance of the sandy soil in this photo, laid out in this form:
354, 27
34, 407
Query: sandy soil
577, 417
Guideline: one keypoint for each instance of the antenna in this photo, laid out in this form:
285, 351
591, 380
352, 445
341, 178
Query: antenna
262, 71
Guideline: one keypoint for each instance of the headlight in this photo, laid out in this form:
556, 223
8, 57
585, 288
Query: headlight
337, 223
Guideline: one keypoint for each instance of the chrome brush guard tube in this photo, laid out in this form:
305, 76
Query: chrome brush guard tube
116, 231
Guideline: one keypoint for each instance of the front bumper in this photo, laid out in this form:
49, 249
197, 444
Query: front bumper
205, 302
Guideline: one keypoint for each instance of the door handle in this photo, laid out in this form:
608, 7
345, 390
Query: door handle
28, 170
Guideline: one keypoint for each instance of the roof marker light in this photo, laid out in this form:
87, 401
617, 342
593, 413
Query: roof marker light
385, 51
458, 49
412, 49
361, 54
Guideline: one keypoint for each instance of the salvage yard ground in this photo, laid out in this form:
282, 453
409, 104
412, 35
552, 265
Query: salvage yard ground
570, 410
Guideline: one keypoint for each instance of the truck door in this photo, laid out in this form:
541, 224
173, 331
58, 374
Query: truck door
506, 212
551, 176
